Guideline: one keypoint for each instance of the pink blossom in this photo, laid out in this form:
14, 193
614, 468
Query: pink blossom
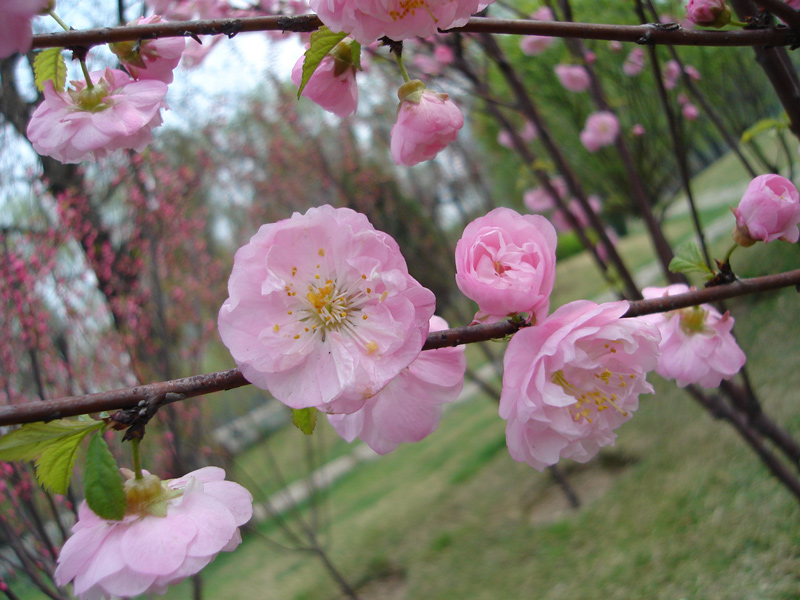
506, 262
571, 380
615, 46
427, 64
795, 4
601, 129
638, 130
150, 59
697, 345
768, 211
634, 63
332, 86
15, 24
533, 45
574, 78
560, 221
426, 123
444, 54
409, 408
80, 124
366, 20
708, 13
538, 199
527, 134
196, 53
690, 111
692, 72
671, 74
322, 311
590, 57
190, 521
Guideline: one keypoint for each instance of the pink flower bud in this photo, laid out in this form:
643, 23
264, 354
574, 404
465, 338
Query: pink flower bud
333, 84
690, 111
426, 123
150, 59
506, 263
769, 210
574, 78
638, 130
708, 13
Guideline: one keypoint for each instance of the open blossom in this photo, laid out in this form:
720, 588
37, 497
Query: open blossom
333, 84
601, 129
671, 74
322, 311
634, 63
81, 123
506, 262
574, 78
409, 408
697, 345
426, 123
708, 13
366, 20
570, 381
768, 211
15, 24
171, 530
150, 59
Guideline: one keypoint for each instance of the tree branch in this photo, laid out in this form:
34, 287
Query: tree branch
670, 33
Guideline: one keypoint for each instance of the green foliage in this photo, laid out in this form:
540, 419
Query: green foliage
53, 445
761, 126
102, 482
323, 40
689, 260
50, 65
305, 419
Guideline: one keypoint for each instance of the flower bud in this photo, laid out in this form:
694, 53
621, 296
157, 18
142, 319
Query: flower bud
708, 13
769, 210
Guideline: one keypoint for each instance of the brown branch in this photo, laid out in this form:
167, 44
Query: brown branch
641, 34
166, 392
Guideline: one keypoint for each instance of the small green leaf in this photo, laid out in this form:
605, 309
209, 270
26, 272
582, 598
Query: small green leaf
760, 127
323, 40
355, 55
689, 260
305, 419
50, 64
54, 445
102, 482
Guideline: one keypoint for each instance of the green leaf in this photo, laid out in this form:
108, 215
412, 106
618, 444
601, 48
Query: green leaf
54, 445
355, 55
50, 64
305, 419
323, 40
102, 482
689, 260
760, 127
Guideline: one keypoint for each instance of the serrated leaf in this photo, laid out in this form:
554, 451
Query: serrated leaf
50, 65
31, 440
323, 40
760, 127
689, 260
102, 482
305, 419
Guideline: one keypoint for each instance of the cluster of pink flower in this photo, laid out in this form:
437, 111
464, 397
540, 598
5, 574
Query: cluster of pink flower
110, 111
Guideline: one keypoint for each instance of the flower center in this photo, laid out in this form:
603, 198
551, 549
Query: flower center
408, 7
693, 320
594, 391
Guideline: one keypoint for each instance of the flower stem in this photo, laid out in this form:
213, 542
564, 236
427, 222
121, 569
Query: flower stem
89, 84
737, 23
137, 461
403, 71
63, 25
727, 258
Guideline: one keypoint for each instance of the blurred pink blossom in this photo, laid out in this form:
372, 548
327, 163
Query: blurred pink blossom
150, 59
538, 200
574, 78
638, 129
601, 129
692, 72
690, 111
443, 54
697, 345
532, 45
506, 262
15, 24
332, 86
615, 46
409, 408
195, 53
322, 311
769, 210
571, 380
144, 552
426, 123
634, 63
671, 74
560, 221
85, 124
527, 134
366, 20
